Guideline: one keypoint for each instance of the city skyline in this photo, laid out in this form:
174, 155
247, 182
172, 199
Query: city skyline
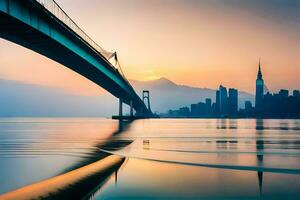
266, 105
191, 51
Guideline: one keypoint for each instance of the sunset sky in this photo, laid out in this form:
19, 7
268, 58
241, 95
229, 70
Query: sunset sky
192, 42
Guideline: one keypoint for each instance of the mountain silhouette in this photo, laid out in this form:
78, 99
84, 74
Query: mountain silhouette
166, 94
19, 99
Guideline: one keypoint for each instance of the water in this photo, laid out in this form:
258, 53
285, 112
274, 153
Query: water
35, 149
167, 159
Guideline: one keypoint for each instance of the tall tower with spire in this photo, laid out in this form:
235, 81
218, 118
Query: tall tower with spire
259, 95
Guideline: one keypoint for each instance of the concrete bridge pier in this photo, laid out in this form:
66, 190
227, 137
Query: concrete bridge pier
131, 109
120, 108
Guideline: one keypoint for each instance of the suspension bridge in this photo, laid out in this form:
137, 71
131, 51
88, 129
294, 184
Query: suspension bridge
43, 26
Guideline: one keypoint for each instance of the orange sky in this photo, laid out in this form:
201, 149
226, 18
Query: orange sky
197, 43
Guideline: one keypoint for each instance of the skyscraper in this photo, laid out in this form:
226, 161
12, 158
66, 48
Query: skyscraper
259, 95
208, 106
284, 93
217, 108
223, 100
233, 101
248, 106
296, 93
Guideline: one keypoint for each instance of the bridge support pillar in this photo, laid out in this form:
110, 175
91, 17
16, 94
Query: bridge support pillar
120, 108
146, 96
131, 109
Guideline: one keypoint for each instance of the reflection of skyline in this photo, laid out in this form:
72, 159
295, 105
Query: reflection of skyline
223, 123
259, 150
139, 177
233, 124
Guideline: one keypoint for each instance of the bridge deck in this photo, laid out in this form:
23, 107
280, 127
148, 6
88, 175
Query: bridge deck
30, 24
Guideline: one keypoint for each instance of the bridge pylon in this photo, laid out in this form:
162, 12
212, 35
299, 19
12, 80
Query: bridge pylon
146, 96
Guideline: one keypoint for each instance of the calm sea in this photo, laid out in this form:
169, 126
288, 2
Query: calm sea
166, 159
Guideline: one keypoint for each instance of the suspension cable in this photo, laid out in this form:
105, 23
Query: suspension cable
116, 62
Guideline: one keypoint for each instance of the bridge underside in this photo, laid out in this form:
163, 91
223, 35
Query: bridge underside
26, 24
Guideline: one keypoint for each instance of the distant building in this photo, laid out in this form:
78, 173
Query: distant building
217, 106
208, 102
248, 106
194, 110
283, 93
213, 109
184, 111
223, 106
259, 95
208, 106
202, 109
281, 105
181, 112
296, 93
233, 101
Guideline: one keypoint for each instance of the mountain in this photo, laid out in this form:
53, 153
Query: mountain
166, 95
19, 99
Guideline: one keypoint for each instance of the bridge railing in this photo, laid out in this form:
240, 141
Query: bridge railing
58, 12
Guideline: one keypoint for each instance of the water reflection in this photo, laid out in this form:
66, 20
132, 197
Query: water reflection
244, 147
259, 124
110, 143
198, 158
233, 124
142, 179
296, 125
49, 147
225, 147
226, 124
76, 184
260, 152
221, 124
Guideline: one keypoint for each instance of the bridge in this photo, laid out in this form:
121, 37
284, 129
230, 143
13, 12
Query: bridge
43, 26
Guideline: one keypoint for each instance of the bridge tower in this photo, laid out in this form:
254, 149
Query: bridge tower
146, 96
121, 108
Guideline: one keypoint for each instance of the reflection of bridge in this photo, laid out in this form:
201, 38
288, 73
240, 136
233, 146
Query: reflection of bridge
42, 26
